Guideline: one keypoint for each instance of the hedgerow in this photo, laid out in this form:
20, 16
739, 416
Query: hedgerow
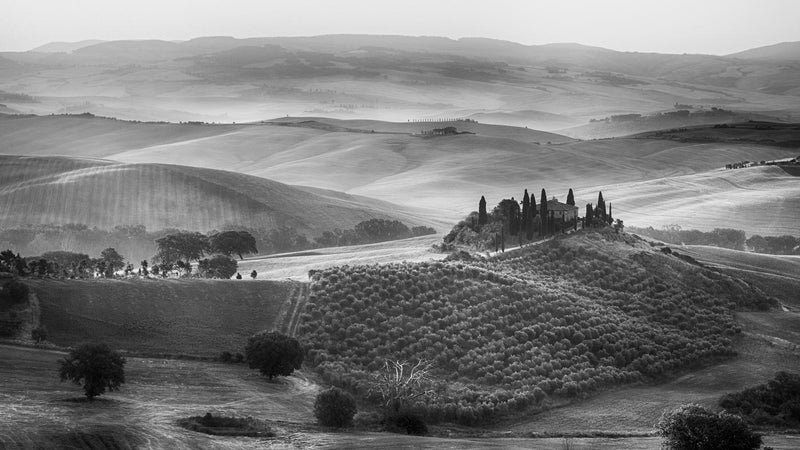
510, 332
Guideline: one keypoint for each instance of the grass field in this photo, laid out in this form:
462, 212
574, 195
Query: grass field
104, 194
296, 265
194, 317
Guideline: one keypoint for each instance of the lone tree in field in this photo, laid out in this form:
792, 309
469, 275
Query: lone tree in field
692, 427
273, 354
96, 366
335, 408
233, 243
483, 218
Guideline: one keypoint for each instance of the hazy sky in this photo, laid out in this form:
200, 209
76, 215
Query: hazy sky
666, 26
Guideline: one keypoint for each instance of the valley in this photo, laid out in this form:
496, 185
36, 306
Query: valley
309, 186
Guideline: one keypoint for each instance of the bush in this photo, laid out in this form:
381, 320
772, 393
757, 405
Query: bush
695, 427
217, 267
226, 357
274, 354
39, 334
335, 408
13, 293
775, 403
409, 422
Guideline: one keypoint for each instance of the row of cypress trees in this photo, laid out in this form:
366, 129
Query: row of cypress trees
518, 218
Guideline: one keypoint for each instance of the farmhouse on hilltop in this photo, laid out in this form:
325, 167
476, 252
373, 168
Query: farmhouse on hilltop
560, 210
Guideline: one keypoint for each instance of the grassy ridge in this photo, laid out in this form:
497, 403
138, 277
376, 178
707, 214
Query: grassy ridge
196, 317
103, 194
559, 319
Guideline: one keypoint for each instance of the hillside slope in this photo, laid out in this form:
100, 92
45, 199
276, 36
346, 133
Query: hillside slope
758, 200
523, 329
444, 173
104, 194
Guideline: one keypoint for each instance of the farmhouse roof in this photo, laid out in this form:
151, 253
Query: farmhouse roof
555, 205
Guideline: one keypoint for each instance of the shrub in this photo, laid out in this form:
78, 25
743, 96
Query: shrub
335, 408
226, 357
776, 402
407, 421
39, 334
13, 293
96, 365
219, 266
274, 354
694, 427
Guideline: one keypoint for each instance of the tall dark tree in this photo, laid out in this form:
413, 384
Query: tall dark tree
534, 213
610, 217
588, 220
570, 198
600, 209
233, 243
543, 214
526, 210
483, 218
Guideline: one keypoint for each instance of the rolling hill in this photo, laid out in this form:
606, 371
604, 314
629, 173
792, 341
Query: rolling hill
396, 78
104, 194
759, 200
447, 174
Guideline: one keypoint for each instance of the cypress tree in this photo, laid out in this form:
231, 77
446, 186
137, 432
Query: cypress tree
543, 214
526, 212
570, 198
482, 216
610, 219
531, 216
589, 216
600, 210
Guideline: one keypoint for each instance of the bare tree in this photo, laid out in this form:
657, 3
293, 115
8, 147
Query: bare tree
401, 383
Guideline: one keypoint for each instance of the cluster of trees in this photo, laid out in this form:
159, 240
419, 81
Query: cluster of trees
775, 403
674, 234
371, 231
725, 238
522, 221
696, 427
175, 253
774, 245
139, 243
63, 264
579, 320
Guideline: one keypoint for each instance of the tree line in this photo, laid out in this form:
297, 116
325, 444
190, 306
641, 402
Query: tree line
725, 238
175, 254
523, 221
138, 243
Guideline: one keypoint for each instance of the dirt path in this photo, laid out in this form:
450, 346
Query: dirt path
299, 300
